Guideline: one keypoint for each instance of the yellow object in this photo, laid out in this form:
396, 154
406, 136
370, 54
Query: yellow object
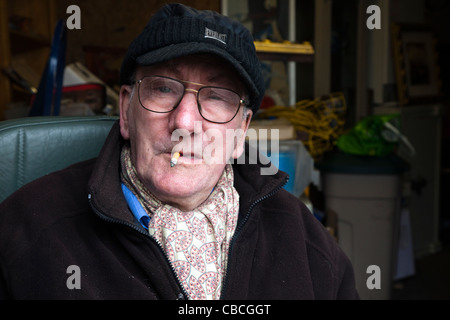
284, 47
321, 121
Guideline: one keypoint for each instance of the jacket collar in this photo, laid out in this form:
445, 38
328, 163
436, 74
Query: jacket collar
251, 182
104, 186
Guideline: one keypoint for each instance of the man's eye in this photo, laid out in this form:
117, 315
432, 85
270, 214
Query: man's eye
215, 97
164, 89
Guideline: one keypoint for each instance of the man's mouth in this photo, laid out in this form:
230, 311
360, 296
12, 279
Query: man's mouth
178, 157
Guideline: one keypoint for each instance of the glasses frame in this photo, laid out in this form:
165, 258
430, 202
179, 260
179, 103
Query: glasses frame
242, 101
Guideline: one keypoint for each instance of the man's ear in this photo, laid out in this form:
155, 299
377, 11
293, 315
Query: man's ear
124, 105
239, 149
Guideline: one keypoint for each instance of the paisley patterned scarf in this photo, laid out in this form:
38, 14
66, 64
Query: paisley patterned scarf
196, 242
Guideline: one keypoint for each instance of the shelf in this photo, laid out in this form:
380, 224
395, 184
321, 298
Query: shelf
285, 51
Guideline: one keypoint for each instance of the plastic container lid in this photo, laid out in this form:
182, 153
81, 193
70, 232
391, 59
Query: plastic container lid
340, 162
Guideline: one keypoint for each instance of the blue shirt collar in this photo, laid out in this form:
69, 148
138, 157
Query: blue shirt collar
135, 206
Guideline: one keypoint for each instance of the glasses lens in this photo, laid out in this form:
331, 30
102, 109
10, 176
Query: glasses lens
160, 94
218, 104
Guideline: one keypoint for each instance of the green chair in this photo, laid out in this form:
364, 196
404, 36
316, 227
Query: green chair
33, 147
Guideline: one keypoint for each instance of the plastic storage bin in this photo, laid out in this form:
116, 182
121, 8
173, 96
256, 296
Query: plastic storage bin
292, 157
365, 192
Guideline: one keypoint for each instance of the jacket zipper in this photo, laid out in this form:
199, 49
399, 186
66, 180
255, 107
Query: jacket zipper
183, 295
239, 229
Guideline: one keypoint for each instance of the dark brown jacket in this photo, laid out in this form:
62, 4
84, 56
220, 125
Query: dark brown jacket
79, 217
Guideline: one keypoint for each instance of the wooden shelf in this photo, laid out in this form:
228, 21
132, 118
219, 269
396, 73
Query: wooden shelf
285, 51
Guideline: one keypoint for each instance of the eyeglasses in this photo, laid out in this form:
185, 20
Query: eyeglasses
162, 95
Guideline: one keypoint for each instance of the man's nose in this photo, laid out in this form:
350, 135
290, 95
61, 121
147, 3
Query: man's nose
187, 113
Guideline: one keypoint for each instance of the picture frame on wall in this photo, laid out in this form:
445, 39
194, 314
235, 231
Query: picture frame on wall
416, 64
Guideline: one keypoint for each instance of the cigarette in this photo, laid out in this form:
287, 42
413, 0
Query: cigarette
174, 159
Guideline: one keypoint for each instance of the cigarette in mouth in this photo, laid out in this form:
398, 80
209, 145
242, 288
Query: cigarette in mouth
174, 159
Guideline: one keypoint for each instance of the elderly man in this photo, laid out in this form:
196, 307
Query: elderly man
163, 213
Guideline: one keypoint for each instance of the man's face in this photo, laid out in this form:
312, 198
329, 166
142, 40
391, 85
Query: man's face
204, 145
